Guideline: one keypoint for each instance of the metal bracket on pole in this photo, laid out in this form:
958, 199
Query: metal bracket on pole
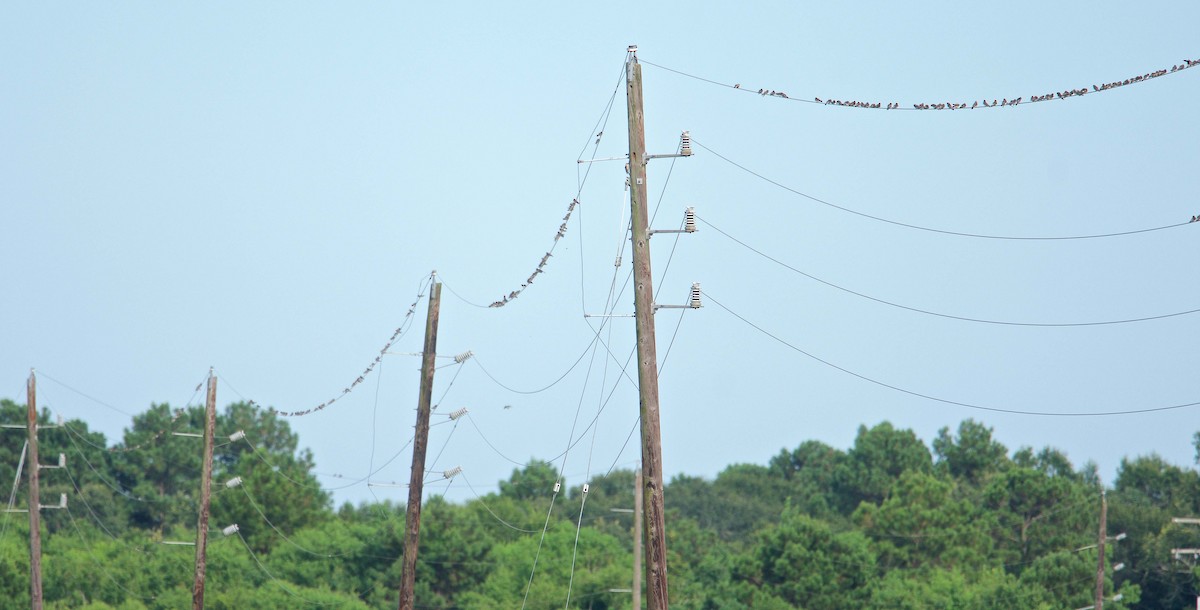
693, 301
689, 223
685, 149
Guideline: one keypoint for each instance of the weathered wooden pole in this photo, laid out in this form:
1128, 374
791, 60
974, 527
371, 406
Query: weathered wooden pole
210, 424
643, 303
1100, 551
412, 519
35, 532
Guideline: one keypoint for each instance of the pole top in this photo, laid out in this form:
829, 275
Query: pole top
631, 49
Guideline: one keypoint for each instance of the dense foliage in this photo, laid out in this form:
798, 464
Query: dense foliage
889, 523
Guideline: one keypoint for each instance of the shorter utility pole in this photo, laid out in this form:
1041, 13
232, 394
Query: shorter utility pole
210, 423
1100, 550
412, 519
35, 534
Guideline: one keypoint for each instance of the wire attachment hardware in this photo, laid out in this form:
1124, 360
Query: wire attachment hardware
458, 413
685, 148
585, 488
62, 462
237, 436
231, 530
689, 223
453, 472
557, 486
62, 502
693, 300
463, 357
234, 482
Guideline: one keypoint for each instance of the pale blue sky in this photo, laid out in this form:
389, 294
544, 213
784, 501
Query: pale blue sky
261, 188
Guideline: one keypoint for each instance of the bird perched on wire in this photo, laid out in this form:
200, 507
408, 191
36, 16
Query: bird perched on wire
598, 137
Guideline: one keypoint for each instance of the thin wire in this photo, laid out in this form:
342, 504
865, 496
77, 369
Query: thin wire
277, 581
489, 509
437, 457
943, 400
638, 420
934, 313
98, 563
460, 297
448, 386
538, 553
396, 335
260, 512
489, 443
42, 373
127, 494
1061, 95
79, 493
929, 229
475, 359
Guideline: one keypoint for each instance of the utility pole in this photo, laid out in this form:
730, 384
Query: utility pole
412, 519
210, 424
1100, 550
35, 534
643, 300
637, 540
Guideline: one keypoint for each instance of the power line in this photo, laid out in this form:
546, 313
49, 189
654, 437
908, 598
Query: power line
943, 400
923, 228
934, 313
944, 105
404, 326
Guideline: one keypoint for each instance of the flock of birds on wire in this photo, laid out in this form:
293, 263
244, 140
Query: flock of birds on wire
1061, 95
562, 229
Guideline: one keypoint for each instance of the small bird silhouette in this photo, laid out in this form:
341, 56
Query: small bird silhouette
737, 85
598, 137
507, 407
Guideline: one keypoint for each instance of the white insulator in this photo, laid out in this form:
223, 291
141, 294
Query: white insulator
585, 488
62, 460
689, 220
694, 302
62, 500
557, 486
234, 482
459, 413
685, 144
1118, 567
453, 472
463, 357
231, 530
237, 436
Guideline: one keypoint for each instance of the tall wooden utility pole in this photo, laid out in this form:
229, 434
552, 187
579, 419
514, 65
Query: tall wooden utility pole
1100, 550
35, 533
210, 423
412, 519
637, 540
643, 304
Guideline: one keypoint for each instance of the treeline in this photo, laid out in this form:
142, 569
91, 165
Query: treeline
962, 523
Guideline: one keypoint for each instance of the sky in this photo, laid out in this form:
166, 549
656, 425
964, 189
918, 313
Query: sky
264, 189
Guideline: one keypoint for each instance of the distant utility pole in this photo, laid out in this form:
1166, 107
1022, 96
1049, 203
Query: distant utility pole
210, 423
643, 301
412, 519
1100, 550
35, 534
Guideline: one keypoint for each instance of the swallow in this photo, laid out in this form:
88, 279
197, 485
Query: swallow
818, 100
737, 85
